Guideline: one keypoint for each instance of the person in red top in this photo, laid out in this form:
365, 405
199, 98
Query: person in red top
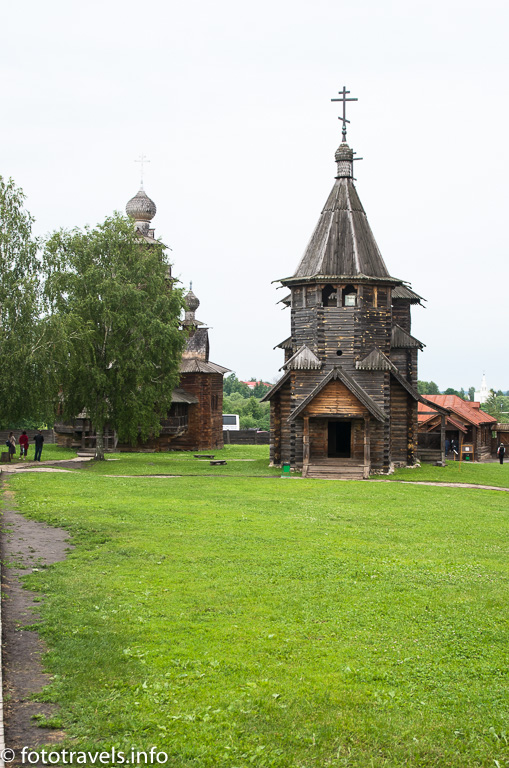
23, 445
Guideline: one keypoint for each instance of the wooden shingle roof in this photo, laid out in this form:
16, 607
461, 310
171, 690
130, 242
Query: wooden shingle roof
375, 361
195, 365
342, 243
303, 360
286, 344
406, 293
180, 395
400, 338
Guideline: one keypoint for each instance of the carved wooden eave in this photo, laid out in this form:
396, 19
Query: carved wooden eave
195, 365
403, 340
404, 293
339, 374
303, 360
357, 279
287, 301
375, 361
286, 344
277, 386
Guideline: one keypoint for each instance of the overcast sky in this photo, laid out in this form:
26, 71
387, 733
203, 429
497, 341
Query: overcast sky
231, 103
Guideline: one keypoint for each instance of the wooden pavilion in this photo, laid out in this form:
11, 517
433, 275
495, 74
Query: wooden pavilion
465, 423
346, 404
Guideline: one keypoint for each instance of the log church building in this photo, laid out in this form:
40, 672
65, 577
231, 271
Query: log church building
195, 419
346, 404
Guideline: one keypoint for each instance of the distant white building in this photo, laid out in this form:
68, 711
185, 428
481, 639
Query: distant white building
482, 395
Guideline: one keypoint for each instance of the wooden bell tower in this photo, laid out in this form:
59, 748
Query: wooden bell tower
346, 405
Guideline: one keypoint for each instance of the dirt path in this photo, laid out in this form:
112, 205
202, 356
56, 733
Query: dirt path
444, 485
25, 545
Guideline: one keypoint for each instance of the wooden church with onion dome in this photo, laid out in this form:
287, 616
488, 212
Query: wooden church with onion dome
346, 404
195, 419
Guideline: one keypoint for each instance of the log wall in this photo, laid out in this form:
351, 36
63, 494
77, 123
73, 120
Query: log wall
205, 424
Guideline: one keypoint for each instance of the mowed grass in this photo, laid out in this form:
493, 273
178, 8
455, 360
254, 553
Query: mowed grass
491, 473
277, 622
241, 460
49, 453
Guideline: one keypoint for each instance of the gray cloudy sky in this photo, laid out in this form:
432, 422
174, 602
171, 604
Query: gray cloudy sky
231, 103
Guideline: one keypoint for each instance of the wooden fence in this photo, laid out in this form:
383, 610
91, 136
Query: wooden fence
245, 437
49, 435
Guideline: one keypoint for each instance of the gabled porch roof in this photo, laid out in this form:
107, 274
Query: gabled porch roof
338, 374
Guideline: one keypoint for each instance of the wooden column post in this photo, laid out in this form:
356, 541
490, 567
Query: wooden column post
305, 442
442, 439
367, 448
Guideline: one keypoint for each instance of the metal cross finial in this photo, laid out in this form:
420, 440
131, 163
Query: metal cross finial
344, 99
142, 159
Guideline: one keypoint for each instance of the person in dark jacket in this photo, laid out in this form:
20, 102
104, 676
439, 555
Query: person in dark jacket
38, 440
501, 452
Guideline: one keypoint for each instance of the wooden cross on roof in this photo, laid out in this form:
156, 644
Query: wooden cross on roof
344, 99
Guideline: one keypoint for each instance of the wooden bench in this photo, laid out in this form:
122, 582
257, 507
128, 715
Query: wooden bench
215, 463
203, 455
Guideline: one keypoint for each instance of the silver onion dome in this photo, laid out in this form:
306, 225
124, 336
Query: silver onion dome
141, 207
192, 301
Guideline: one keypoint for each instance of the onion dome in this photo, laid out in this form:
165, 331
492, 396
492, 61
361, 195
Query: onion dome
344, 159
192, 301
142, 209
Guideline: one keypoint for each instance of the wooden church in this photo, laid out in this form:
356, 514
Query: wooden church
195, 419
346, 405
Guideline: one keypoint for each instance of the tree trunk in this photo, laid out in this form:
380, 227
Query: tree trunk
99, 445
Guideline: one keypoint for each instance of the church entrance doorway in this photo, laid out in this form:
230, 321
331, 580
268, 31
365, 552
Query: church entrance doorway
339, 439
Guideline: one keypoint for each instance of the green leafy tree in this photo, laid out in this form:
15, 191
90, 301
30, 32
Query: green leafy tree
261, 389
493, 405
471, 394
232, 384
252, 413
427, 388
451, 391
110, 294
27, 387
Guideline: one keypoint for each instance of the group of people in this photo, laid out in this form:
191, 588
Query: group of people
23, 445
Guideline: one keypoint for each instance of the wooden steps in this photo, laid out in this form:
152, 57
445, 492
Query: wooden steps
340, 469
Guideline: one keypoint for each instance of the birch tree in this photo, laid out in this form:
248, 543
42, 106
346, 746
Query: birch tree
110, 292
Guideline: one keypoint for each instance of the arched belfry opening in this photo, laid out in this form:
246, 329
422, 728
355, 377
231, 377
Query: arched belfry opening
329, 296
349, 296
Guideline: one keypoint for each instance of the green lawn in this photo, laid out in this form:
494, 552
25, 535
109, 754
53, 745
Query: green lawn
237, 621
252, 460
492, 473
49, 453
